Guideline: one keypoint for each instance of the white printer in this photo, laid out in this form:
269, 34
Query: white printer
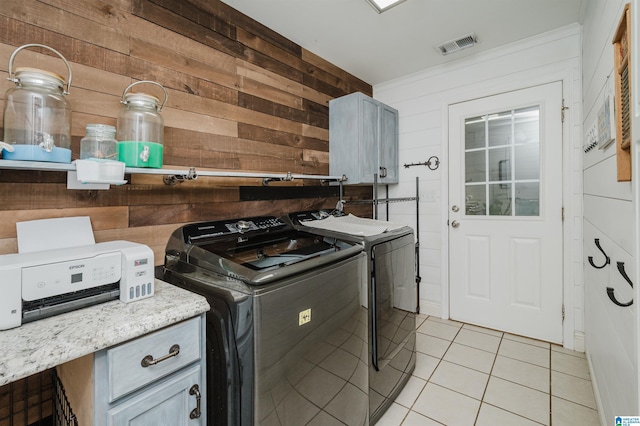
44, 283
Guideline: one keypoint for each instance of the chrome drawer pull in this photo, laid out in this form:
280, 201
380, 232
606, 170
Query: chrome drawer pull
195, 413
148, 360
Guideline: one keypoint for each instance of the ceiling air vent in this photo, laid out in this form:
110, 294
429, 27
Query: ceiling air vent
458, 44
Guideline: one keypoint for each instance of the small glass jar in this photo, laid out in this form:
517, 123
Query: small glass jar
141, 129
99, 143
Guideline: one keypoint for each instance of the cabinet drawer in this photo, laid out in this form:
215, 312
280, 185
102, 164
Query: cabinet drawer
125, 369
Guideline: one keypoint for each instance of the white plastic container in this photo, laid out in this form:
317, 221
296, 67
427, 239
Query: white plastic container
100, 171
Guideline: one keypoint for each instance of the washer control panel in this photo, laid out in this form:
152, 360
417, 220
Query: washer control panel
221, 229
306, 216
246, 225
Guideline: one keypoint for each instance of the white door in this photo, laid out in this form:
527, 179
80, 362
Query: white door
505, 212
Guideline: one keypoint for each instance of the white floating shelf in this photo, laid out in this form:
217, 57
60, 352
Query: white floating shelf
183, 174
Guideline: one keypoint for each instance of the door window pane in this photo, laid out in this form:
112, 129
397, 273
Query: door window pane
505, 165
474, 132
476, 200
500, 199
499, 164
527, 199
475, 166
527, 161
500, 128
526, 127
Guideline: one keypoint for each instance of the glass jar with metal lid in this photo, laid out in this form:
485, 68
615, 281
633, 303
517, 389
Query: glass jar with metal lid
99, 143
140, 132
37, 114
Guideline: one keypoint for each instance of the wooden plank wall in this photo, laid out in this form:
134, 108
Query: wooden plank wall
241, 98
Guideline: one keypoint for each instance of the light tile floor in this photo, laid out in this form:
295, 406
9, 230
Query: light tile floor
468, 375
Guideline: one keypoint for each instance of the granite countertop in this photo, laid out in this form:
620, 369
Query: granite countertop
45, 343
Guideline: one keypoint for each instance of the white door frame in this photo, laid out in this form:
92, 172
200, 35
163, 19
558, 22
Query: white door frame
571, 132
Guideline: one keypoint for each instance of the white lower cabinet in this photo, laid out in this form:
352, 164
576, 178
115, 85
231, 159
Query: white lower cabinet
156, 379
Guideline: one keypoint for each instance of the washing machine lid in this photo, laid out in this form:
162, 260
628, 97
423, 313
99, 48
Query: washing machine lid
345, 226
352, 225
258, 250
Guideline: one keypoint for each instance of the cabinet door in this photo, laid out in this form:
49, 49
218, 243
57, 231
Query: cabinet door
369, 138
388, 148
170, 402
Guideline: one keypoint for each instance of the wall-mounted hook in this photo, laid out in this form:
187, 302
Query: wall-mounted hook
607, 260
610, 291
623, 273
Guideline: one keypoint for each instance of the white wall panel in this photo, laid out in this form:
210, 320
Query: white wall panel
610, 330
601, 180
603, 17
419, 104
612, 218
614, 381
610, 346
422, 121
420, 138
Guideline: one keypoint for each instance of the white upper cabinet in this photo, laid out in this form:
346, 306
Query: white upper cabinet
363, 140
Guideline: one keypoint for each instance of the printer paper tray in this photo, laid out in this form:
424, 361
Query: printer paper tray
50, 306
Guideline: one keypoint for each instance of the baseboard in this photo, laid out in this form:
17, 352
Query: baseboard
430, 308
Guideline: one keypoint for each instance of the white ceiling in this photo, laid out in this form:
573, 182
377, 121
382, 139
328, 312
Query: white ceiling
381, 47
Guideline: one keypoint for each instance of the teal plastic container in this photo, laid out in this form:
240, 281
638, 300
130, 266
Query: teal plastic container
140, 154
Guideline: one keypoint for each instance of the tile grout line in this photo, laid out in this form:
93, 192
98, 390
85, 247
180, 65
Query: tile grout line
489, 378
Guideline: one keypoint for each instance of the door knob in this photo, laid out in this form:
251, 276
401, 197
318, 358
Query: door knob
455, 224
455, 208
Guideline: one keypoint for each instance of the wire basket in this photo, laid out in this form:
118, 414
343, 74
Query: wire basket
62, 412
38, 400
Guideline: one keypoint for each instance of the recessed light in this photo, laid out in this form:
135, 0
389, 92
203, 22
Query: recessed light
383, 5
